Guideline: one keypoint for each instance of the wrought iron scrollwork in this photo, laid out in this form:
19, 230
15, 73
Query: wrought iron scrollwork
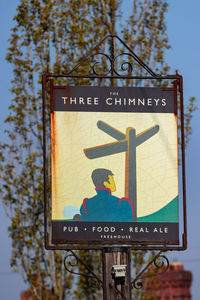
106, 72
160, 264
164, 263
72, 260
114, 68
125, 66
112, 57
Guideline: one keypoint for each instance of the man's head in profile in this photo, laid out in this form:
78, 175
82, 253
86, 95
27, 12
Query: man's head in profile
103, 178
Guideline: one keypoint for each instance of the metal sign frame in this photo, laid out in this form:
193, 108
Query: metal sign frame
48, 79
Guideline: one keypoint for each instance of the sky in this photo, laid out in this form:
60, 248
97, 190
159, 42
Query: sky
183, 31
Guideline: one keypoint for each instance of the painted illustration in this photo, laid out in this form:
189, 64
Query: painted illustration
104, 206
126, 143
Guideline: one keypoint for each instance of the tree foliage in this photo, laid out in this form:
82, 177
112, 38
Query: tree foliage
53, 35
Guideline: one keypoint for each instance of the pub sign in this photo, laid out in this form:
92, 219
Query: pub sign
114, 165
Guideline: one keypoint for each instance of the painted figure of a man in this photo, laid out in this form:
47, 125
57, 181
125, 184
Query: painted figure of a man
104, 206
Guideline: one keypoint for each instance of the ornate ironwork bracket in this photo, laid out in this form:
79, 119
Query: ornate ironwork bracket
69, 264
112, 58
162, 265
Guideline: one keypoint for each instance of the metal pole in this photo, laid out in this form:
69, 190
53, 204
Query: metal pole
113, 290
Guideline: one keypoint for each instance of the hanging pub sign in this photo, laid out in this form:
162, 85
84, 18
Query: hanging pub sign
114, 165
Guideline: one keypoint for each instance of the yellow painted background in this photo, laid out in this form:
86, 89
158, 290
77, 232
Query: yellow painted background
157, 174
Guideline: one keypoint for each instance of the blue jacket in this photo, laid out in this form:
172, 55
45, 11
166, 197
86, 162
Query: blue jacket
106, 208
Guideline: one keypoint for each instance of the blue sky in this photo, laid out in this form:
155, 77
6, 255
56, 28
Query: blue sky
183, 28
183, 31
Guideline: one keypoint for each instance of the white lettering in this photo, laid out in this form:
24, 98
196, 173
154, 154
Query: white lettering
119, 101
70, 228
141, 101
105, 229
131, 101
89, 101
72, 100
149, 101
138, 229
161, 230
96, 101
107, 101
156, 100
81, 100
64, 99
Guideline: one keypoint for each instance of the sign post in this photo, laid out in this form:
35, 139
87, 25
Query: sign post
114, 170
